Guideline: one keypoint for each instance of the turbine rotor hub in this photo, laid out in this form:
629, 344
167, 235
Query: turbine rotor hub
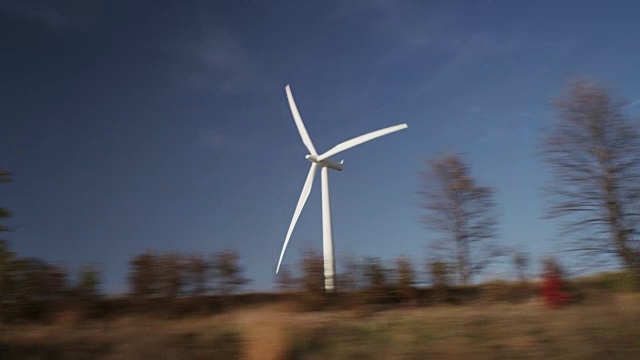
324, 163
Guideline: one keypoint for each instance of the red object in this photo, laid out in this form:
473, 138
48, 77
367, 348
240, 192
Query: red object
553, 293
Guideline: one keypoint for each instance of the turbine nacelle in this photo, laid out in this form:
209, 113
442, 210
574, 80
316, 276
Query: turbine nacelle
325, 163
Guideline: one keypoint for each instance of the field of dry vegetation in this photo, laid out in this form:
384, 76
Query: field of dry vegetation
605, 323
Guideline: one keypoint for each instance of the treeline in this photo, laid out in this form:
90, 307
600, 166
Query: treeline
173, 274
32, 288
172, 284
400, 282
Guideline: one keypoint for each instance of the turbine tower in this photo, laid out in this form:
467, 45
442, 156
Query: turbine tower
322, 161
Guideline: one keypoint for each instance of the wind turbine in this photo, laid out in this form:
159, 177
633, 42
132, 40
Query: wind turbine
322, 161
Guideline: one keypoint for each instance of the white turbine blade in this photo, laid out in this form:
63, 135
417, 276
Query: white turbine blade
359, 140
301, 129
306, 189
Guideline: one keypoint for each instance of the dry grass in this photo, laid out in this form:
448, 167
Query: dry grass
592, 330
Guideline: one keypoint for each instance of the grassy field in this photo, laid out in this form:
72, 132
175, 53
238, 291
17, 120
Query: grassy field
604, 327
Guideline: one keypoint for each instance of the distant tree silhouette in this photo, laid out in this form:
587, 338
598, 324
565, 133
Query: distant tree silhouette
88, 283
57, 282
228, 272
520, 261
285, 280
7, 258
144, 275
171, 272
35, 276
174, 274
5, 253
594, 154
374, 273
197, 272
7, 280
36, 286
351, 277
405, 278
462, 212
312, 267
5, 177
440, 275
375, 276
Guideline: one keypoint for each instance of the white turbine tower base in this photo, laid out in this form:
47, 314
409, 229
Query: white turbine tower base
327, 234
321, 160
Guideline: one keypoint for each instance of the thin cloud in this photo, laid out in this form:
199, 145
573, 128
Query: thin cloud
634, 103
478, 47
55, 15
496, 134
560, 51
469, 50
221, 64
465, 52
480, 130
214, 139
406, 29
36, 11
227, 63
221, 141
399, 28
347, 8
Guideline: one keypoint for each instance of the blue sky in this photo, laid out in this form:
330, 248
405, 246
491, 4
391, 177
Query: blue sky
133, 125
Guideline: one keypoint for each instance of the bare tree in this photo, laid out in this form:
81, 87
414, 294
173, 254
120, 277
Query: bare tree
7, 283
171, 267
34, 276
351, 277
228, 271
439, 273
57, 281
375, 273
197, 269
405, 278
285, 280
521, 263
88, 282
7, 259
143, 275
376, 278
7, 256
312, 267
462, 212
594, 155
5, 177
